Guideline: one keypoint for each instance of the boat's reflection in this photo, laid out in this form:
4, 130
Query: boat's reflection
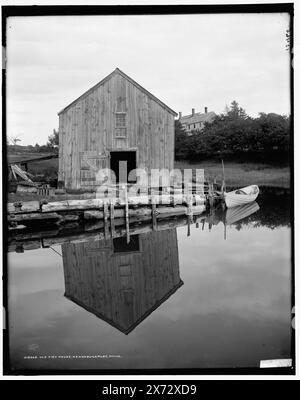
231, 216
236, 214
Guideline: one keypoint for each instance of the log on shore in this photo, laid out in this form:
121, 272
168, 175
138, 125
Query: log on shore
118, 213
161, 212
22, 207
67, 218
136, 200
34, 217
17, 220
29, 235
92, 225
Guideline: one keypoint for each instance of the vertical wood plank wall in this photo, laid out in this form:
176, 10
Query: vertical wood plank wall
121, 288
88, 125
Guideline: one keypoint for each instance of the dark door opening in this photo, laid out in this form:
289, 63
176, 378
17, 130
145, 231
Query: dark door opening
122, 163
121, 246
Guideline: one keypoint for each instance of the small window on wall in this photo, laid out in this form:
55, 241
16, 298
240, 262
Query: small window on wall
120, 125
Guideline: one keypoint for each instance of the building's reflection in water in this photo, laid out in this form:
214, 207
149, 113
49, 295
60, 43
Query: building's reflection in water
122, 283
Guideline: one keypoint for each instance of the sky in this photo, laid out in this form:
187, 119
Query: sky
187, 61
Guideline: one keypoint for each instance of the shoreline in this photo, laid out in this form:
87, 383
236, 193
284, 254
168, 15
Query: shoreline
242, 174
236, 175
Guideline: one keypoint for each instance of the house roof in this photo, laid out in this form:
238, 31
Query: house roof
118, 71
198, 117
125, 329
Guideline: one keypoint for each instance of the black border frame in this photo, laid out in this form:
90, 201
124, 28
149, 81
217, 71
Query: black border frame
64, 10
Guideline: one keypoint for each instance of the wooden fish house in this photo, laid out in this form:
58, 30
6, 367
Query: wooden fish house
122, 283
115, 121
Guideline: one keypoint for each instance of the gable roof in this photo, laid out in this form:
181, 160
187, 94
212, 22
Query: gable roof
118, 71
198, 117
129, 328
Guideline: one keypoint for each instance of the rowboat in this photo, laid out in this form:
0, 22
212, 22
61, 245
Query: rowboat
242, 196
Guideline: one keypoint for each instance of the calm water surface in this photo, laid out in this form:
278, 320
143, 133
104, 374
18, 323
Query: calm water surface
167, 301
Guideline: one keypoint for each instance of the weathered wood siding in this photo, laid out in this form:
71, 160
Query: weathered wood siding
87, 128
122, 288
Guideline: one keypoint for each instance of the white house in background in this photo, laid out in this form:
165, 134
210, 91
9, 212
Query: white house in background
196, 121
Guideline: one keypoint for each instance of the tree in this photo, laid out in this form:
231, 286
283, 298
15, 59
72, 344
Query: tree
235, 111
275, 134
53, 139
14, 140
181, 140
236, 135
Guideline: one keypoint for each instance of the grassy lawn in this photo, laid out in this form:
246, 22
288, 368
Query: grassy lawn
242, 174
44, 167
47, 168
236, 175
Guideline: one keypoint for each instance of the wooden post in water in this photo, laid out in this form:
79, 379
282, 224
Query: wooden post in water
189, 209
154, 219
126, 213
188, 226
210, 195
172, 199
190, 206
112, 218
106, 213
223, 187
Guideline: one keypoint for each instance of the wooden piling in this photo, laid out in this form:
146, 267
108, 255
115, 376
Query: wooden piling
112, 218
126, 213
189, 210
154, 219
172, 199
190, 207
210, 195
223, 187
106, 214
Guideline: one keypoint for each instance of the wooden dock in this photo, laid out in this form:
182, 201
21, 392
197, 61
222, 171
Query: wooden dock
108, 213
29, 239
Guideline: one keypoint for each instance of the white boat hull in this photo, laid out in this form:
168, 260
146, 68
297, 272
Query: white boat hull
242, 196
235, 214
